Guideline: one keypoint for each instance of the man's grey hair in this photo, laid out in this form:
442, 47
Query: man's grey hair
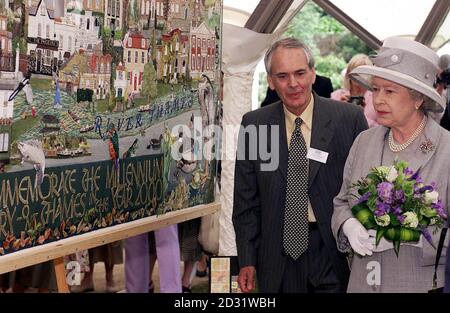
288, 43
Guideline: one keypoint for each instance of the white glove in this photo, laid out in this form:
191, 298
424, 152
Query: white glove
358, 237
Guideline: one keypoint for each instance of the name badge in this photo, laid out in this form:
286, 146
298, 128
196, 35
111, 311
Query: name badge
317, 155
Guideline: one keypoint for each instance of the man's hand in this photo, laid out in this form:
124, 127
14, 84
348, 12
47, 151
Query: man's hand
246, 279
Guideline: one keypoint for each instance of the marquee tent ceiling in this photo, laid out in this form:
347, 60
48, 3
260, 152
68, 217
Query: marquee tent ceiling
426, 21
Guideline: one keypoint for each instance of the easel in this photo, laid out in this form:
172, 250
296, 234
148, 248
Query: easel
56, 250
60, 272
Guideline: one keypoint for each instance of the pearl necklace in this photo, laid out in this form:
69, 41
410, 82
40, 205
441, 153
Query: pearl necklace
399, 147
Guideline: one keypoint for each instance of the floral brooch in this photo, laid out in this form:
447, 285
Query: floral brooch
427, 146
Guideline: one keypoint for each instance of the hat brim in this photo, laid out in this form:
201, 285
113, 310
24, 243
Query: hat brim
362, 75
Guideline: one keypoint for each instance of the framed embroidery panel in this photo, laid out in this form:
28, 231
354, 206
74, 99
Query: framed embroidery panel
106, 111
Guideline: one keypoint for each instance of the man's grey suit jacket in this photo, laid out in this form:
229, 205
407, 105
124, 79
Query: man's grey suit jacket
259, 196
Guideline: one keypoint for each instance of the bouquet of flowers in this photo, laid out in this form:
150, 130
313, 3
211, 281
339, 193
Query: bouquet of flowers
396, 203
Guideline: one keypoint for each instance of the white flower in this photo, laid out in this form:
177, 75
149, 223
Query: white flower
383, 220
433, 220
384, 170
411, 219
431, 197
389, 172
392, 174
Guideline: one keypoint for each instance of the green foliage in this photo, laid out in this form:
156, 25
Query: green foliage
117, 55
10, 25
108, 43
351, 45
112, 102
332, 44
40, 83
19, 42
113, 74
105, 32
102, 105
149, 83
213, 21
209, 3
21, 126
165, 89
331, 66
140, 101
118, 35
263, 84
133, 15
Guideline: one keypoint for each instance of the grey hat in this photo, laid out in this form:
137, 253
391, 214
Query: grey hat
407, 63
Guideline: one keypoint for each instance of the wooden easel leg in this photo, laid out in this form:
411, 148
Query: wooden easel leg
61, 275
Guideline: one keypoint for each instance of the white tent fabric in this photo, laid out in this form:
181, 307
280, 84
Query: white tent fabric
241, 51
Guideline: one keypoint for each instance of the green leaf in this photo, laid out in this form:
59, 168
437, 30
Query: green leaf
394, 220
408, 234
392, 234
364, 215
408, 189
401, 165
380, 233
362, 190
374, 177
371, 202
428, 211
397, 247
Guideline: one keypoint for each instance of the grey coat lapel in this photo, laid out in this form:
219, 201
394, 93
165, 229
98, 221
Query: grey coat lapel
374, 150
322, 133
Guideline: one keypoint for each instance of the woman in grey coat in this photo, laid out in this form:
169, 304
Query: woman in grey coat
402, 83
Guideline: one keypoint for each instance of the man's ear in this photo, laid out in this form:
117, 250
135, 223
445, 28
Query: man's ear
270, 81
314, 73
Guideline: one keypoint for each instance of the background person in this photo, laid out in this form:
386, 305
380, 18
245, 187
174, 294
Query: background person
356, 93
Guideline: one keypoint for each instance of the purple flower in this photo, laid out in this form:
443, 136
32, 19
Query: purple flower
408, 173
425, 188
397, 210
426, 234
364, 197
400, 218
399, 196
439, 209
381, 208
385, 192
416, 177
417, 194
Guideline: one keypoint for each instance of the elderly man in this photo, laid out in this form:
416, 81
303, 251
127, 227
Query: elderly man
282, 213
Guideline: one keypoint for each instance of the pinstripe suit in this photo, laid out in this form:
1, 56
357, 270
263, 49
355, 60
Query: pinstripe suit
259, 196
